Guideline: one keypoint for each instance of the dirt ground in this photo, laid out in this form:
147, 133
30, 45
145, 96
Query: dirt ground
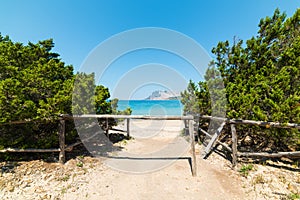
150, 176
154, 165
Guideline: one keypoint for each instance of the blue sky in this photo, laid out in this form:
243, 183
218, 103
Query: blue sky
77, 27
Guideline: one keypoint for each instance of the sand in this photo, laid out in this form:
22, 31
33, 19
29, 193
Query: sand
155, 165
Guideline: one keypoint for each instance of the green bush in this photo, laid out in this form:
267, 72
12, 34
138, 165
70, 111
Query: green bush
36, 85
261, 79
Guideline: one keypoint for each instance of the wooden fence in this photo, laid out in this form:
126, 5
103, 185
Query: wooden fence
61, 132
192, 127
62, 146
233, 149
189, 119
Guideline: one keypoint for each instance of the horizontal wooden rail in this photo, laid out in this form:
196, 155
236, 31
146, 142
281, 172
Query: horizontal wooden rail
26, 121
144, 117
11, 150
70, 147
115, 129
270, 155
252, 122
189, 118
233, 149
61, 132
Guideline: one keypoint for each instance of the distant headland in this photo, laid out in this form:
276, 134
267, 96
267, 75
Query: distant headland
163, 95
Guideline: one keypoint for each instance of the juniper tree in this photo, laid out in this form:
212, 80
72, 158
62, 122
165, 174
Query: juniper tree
262, 78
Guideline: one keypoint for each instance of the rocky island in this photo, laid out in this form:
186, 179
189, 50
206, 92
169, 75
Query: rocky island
163, 95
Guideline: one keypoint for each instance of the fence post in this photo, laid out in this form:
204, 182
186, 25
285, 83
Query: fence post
234, 145
192, 140
128, 130
107, 128
196, 126
186, 127
62, 154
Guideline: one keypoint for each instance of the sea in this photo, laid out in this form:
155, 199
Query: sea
152, 107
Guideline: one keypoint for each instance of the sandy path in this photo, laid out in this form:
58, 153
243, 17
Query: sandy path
145, 168
146, 175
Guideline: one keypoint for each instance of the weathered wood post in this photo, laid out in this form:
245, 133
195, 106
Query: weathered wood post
107, 128
128, 130
196, 126
214, 138
186, 127
192, 140
62, 154
234, 145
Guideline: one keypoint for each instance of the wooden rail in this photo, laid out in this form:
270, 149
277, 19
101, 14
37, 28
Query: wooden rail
61, 132
270, 155
61, 148
190, 120
234, 150
13, 150
144, 117
252, 122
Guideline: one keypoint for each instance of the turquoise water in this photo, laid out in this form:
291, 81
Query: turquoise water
152, 107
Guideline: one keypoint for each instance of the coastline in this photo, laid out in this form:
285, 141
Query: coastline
152, 107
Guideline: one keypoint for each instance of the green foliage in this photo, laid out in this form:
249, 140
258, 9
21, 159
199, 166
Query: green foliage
83, 94
114, 106
206, 98
245, 169
294, 196
261, 78
89, 98
65, 178
36, 85
115, 111
191, 102
102, 106
79, 164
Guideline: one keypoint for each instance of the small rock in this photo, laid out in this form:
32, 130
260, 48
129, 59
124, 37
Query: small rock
39, 189
2, 183
293, 188
248, 140
10, 187
45, 196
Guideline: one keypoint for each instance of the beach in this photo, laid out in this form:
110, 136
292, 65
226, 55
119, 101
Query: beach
154, 164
